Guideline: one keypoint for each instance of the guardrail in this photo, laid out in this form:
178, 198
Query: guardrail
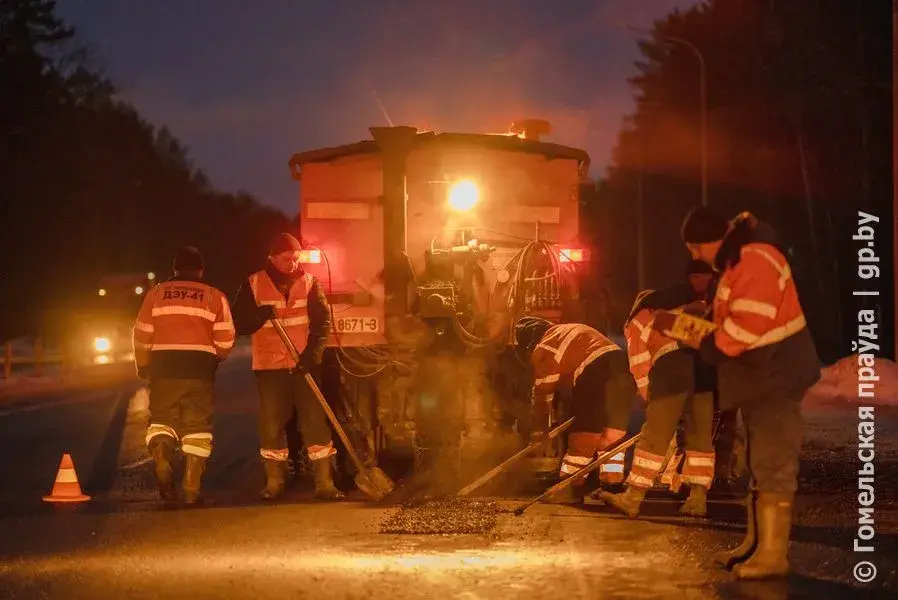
38, 358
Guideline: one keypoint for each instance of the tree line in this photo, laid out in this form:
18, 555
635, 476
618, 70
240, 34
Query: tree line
798, 102
90, 187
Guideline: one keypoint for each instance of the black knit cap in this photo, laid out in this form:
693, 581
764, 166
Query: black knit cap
188, 259
703, 225
530, 330
284, 242
698, 267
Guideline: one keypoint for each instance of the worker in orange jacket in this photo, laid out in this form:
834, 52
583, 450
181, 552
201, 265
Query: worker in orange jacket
283, 290
182, 332
766, 361
578, 356
665, 376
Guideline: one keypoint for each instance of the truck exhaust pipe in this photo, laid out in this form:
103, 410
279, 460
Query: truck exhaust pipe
395, 144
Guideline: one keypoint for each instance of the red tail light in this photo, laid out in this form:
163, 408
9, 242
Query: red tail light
310, 257
572, 255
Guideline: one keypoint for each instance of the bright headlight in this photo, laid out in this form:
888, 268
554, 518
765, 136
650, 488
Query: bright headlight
463, 195
102, 344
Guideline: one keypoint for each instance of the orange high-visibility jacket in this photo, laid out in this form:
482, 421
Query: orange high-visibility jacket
562, 354
183, 330
645, 345
762, 345
269, 351
756, 303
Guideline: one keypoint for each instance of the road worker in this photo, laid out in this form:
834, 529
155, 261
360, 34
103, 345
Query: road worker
766, 360
577, 356
666, 378
284, 291
183, 331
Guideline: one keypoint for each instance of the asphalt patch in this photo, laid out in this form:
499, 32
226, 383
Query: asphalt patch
443, 516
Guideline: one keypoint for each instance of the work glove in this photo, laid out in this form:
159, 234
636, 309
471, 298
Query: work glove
306, 362
267, 312
696, 309
663, 321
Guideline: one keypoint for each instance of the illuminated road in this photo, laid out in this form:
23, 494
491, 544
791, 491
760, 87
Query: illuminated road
123, 544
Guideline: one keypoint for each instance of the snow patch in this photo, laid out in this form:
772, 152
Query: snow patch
838, 384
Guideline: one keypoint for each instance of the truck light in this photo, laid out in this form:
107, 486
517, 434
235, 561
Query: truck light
310, 257
102, 344
151, 276
101, 292
571, 255
463, 195
138, 290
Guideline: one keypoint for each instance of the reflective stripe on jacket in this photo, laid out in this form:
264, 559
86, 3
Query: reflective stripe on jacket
184, 328
756, 303
562, 354
645, 346
269, 351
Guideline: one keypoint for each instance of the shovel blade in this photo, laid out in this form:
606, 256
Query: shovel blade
373, 485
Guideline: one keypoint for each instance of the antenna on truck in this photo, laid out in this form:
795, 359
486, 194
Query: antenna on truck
381, 106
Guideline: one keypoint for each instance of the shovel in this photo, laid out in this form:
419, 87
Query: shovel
599, 461
371, 480
489, 475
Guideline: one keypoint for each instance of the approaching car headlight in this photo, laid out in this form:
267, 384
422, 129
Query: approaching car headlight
102, 344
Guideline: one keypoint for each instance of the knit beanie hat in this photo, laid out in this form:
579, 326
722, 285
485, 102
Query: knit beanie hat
703, 225
530, 330
188, 259
284, 242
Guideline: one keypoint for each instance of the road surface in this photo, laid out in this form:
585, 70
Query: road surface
125, 544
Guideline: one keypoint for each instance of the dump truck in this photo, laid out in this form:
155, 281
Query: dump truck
430, 246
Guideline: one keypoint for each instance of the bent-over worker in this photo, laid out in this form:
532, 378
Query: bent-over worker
665, 377
577, 355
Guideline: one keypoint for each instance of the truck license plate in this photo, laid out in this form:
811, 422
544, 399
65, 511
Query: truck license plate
356, 325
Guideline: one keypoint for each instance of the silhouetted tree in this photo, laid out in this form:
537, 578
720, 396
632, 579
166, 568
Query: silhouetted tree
793, 90
89, 187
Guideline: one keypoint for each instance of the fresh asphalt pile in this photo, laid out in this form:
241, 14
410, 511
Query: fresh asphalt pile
443, 516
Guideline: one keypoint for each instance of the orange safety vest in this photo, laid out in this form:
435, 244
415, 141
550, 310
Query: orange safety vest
756, 303
269, 351
562, 354
645, 346
186, 316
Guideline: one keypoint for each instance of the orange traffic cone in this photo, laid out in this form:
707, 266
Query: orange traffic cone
66, 488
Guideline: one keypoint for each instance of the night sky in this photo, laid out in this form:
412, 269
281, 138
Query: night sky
244, 88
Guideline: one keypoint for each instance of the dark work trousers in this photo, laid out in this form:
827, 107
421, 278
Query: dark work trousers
280, 391
185, 405
727, 442
662, 415
182, 409
603, 395
775, 432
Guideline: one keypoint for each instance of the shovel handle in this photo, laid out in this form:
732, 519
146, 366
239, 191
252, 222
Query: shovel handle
553, 433
599, 461
291, 348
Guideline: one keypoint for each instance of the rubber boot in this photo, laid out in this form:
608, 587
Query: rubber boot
162, 449
627, 502
741, 552
275, 470
774, 522
193, 476
324, 481
696, 504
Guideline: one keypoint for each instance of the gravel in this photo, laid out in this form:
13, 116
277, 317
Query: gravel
443, 516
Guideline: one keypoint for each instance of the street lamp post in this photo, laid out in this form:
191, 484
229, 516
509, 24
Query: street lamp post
703, 102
